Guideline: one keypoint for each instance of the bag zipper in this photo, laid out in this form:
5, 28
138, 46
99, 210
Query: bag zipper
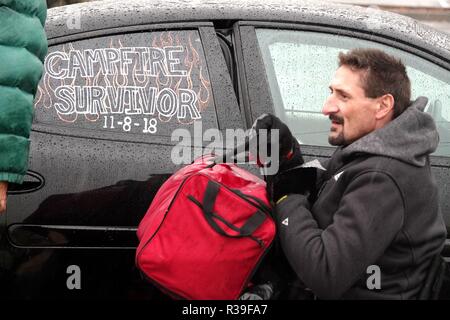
165, 214
257, 265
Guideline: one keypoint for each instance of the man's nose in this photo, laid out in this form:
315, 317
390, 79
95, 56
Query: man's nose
329, 107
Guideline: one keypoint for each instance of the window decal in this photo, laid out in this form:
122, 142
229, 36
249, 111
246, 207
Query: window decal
123, 87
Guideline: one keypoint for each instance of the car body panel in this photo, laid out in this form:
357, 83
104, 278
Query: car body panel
87, 190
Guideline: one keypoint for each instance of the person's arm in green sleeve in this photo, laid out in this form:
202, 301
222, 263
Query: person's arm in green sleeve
23, 46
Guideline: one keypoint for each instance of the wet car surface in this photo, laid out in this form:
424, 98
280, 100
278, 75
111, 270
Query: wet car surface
121, 76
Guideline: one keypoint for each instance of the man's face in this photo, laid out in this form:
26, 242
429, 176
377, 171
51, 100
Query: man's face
352, 114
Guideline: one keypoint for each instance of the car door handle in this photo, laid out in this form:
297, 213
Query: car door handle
32, 182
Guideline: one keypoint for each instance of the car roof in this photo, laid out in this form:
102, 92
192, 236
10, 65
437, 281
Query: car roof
109, 14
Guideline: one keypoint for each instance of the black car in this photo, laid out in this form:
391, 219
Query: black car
121, 76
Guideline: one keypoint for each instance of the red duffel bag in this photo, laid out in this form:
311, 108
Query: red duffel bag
206, 231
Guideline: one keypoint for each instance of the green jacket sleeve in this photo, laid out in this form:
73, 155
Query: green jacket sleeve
23, 46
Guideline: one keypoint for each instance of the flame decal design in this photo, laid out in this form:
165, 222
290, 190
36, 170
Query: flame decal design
194, 78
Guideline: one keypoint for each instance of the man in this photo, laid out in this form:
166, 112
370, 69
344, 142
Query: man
376, 208
22, 51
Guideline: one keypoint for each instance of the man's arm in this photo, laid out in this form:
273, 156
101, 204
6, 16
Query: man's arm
330, 261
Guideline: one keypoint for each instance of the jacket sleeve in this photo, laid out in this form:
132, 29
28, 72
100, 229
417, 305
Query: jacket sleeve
23, 46
332, 260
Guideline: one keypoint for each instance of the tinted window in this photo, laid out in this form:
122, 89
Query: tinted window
300, 66
142, 83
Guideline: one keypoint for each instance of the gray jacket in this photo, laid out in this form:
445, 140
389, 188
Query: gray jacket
377, 205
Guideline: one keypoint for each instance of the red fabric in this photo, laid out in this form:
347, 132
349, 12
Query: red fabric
182, 253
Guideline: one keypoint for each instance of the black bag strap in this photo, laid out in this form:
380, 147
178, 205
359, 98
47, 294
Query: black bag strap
259, 203
253, 223
209, 199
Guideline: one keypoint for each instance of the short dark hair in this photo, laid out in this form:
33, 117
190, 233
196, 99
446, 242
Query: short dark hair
382, 74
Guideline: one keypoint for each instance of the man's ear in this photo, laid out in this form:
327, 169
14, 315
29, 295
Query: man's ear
386, 107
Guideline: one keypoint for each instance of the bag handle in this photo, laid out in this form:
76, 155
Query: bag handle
209, 199
258, 203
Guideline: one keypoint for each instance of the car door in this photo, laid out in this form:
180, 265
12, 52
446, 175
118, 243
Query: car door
101, 145
287, 68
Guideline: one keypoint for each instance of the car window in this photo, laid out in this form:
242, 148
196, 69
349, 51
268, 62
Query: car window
145, 83
301, 64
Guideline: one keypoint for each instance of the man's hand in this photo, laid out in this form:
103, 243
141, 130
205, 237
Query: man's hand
3, 190
289, 148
